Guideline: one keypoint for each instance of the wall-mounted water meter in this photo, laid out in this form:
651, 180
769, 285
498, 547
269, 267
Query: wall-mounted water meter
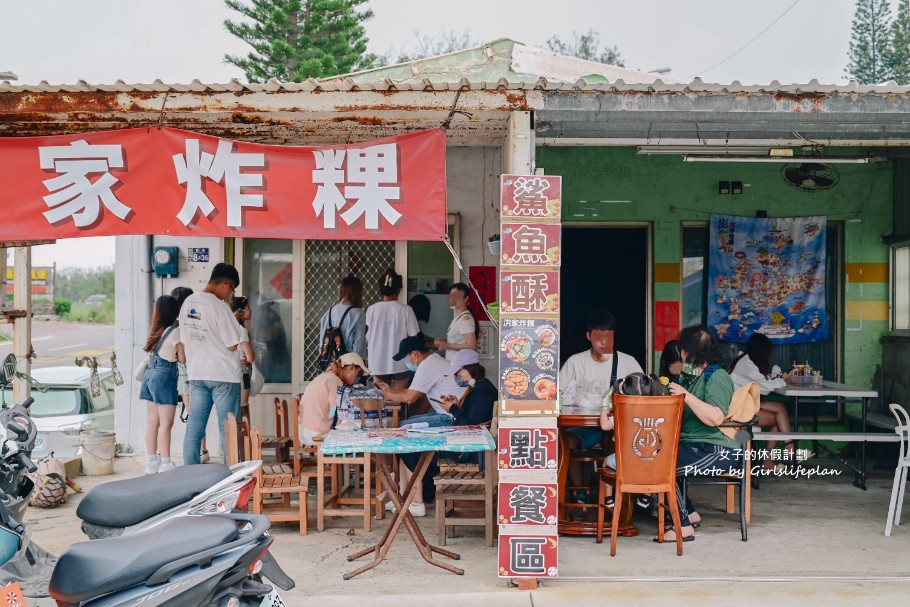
164, 261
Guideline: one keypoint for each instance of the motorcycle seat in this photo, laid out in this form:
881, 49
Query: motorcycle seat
91, 569
131, 501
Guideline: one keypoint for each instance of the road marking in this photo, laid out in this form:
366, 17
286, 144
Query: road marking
67, 347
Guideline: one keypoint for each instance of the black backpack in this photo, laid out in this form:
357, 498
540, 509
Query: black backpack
332, 342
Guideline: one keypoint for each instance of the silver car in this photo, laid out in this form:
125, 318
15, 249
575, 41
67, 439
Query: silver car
68, 408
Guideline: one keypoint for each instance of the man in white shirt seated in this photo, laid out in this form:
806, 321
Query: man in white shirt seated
432, 379
590, 375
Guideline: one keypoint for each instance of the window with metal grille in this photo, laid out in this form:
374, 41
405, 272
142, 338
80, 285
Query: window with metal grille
326, 263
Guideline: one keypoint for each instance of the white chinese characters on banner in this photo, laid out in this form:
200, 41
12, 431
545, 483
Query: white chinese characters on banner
370, 178
224, 166
73, 194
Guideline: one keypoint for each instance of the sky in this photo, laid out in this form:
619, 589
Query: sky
177, 41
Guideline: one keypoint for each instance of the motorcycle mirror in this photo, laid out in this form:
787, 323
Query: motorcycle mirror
9, 369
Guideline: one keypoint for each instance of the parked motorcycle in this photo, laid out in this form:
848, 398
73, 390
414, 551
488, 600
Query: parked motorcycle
213, 560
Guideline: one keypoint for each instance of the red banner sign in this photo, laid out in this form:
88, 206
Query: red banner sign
523, 503
529, 292
167, 181
528, 551
525, 244
528, 448
531, 197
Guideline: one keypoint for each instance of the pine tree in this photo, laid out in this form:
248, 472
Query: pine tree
897, 56
586, 46
869, 41
294, 40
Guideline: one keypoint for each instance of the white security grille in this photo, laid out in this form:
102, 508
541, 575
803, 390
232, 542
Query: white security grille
326, 263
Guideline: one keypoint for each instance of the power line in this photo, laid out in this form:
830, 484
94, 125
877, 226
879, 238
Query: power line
757, 36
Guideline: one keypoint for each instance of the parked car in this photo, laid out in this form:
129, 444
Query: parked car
68, 408
96, 299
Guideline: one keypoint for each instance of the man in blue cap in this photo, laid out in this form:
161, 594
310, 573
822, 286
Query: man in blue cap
431, 380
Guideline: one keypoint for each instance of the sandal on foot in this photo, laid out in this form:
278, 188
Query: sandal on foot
686, 538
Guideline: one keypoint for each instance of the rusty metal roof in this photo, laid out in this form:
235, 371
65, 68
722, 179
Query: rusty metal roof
575, 102
426, 84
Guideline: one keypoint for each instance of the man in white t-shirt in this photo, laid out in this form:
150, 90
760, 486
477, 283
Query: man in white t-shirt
594, 371
210, 335
432, 379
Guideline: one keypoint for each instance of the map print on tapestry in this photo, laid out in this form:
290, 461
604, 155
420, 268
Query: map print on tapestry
767, 275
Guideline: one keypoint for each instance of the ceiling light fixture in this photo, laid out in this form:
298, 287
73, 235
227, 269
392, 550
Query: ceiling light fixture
789, 159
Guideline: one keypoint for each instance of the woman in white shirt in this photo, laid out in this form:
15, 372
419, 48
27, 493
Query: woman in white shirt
159, 384
240, 306
755, 365
388, 322
463, 330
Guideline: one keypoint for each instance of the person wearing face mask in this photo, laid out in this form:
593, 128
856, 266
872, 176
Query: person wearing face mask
703, 448
432, 380
475, 407
317, 403
596, 369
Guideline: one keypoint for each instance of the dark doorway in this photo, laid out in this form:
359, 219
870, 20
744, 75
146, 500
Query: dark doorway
605, 268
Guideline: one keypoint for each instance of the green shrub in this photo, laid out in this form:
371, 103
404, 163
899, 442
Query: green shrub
63, 307
103, 314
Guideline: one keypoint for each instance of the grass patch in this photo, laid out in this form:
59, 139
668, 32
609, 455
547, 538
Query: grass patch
101, 314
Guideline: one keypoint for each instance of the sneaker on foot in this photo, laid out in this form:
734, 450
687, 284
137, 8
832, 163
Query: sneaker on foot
165, 466
389, 506
415, 509
204, 457
152, 466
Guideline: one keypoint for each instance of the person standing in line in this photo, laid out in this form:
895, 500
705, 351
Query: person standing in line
211, 336
349, 316
240, 306
464, 328
159, 384
388, 322
183, 384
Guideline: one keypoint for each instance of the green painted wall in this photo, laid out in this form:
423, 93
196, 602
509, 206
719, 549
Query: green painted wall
616, 184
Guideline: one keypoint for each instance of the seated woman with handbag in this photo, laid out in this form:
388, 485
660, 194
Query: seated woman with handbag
474, 408
703, 448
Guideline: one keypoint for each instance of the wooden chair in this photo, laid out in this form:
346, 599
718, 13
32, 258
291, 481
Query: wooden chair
647, 443
458, 486
237, 440
280, 442
279, 484
304, 456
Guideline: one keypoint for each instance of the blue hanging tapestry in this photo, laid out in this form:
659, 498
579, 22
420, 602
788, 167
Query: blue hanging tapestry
767, 275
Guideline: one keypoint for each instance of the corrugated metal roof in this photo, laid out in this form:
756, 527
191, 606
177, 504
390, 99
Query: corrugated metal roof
426, 84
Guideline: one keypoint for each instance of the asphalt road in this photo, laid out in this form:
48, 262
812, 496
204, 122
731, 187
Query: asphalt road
59, 343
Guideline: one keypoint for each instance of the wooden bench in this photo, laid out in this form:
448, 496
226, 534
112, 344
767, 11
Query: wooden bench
466, 495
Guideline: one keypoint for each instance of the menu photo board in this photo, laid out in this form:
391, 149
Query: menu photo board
530, 244
529, 365
531, 197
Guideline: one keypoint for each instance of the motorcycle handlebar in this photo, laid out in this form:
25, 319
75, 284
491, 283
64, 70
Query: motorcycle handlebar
26, 462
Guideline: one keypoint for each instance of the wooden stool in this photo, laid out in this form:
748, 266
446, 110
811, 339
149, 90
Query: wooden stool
280, 442
281, 484
459, 485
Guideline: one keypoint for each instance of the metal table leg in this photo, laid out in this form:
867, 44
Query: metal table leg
403, 515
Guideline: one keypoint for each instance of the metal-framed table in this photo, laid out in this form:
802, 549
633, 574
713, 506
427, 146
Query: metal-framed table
386, 442
827, 392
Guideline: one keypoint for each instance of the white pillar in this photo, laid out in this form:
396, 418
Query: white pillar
518, 151
133, 313
22, 326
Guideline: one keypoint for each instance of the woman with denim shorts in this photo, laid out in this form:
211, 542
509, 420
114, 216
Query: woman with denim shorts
159, 384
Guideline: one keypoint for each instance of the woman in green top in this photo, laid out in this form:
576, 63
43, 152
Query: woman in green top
703, 448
